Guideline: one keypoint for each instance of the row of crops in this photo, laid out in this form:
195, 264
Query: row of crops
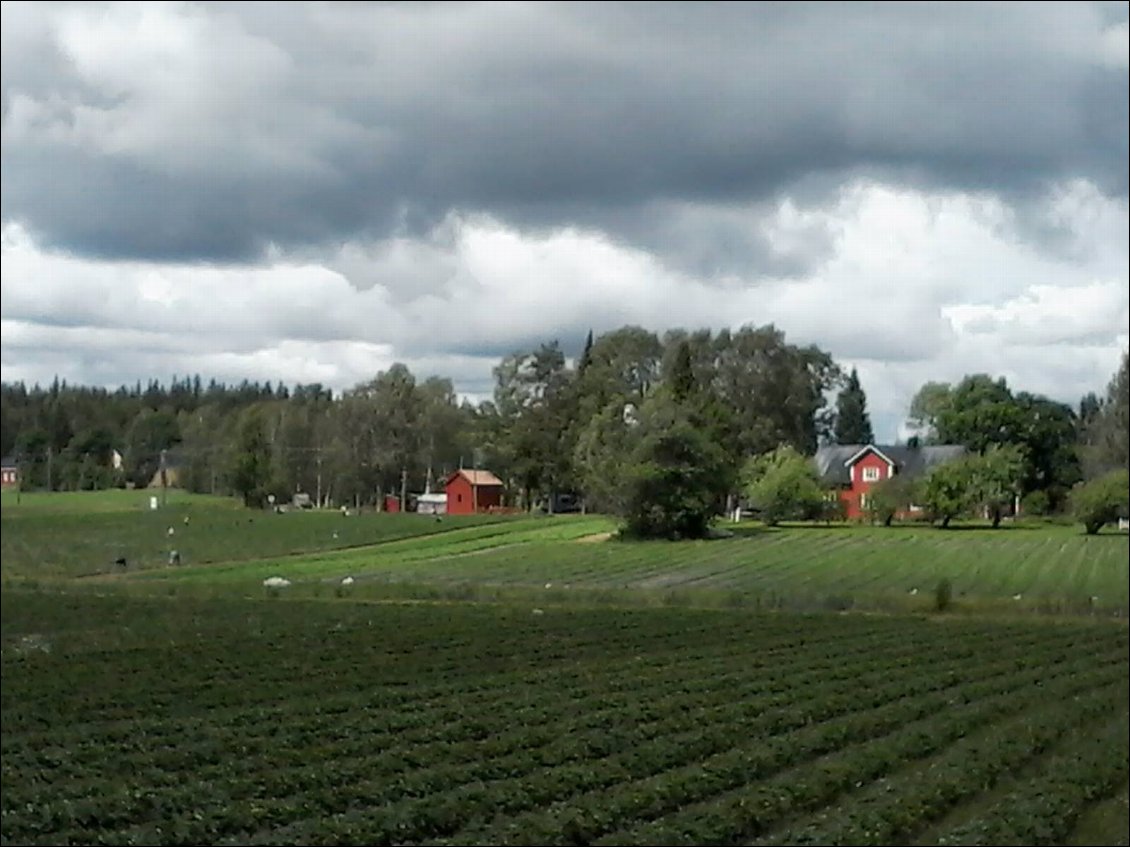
1045, 569
178, 720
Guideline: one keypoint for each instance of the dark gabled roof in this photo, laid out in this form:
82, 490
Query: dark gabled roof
10, 462
832, 461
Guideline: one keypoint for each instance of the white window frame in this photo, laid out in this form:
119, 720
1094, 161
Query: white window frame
871, 474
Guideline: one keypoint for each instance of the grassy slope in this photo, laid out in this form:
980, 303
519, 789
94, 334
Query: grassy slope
1050, 568
66, 535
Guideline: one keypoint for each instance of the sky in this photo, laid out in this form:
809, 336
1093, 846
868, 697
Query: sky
311, 192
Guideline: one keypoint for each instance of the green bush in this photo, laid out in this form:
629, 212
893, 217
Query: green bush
782, 486
1036, 503
889, 497
943, 595
1101, 501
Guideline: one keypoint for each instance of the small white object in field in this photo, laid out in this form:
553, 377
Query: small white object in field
186, 520
538, 612
914, 591
1016, 596
171, 531
335, 533
276, 582
549, 585
347, 581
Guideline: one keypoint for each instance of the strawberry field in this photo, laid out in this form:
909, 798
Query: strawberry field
134, 720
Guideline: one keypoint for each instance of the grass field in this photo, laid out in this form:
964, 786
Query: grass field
1048, 569
190, 721
594, 700
66, 535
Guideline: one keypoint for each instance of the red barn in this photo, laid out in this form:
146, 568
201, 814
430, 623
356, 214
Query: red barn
471, 491
851, 469
392, 503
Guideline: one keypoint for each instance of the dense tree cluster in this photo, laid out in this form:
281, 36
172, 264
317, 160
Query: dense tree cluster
664, 431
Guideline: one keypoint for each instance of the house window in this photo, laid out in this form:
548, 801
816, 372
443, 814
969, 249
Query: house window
458, 498
870, 474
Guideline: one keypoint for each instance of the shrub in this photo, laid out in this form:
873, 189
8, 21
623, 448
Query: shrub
1036, 503
1101, 501
889, 497
782, 486
943, 595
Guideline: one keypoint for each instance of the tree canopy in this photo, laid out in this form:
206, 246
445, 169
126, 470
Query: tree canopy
853, 424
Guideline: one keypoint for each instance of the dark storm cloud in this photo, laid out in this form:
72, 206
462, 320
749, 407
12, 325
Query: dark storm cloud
307, 126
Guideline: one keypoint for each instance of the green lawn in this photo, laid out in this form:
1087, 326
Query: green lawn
226, 720
75, 534
1052, 569
112, 500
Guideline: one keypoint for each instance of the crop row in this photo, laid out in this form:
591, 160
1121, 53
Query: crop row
752, 809
261, 774
448, 803
365, 704
447, 724
613, 813
1043, 809
892, 811
342, 718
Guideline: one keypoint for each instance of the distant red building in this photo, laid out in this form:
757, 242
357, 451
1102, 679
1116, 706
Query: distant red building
10, 473
392, 503
851, 469
471, 491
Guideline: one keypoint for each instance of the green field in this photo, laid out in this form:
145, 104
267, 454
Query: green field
66, 535
151, 720
609, 692
1045, 569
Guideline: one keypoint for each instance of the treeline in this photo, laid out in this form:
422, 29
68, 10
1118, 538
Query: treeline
635, 417
352, 447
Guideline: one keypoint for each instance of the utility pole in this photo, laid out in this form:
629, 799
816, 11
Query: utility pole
318, 500
50, 487
403, 489
164, 478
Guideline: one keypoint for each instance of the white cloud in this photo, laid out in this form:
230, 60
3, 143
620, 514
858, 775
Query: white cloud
915, 287
1114, 46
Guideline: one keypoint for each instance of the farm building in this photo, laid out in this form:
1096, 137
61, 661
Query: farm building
851, 469
9, 473
174, 466
471, 491
430, 503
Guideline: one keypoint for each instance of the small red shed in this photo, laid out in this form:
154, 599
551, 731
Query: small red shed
392, 503
471, 491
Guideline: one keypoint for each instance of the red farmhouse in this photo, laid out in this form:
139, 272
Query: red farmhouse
852, 469
471, 491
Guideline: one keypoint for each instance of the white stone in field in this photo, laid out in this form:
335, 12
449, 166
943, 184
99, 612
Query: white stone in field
276, 582
1016, 596
347, 581
914, 591
538, 612
549, 585
172, 531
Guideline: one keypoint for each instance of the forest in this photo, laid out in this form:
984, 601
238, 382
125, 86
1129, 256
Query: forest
706, 401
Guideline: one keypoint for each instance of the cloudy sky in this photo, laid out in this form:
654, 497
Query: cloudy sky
310, 192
